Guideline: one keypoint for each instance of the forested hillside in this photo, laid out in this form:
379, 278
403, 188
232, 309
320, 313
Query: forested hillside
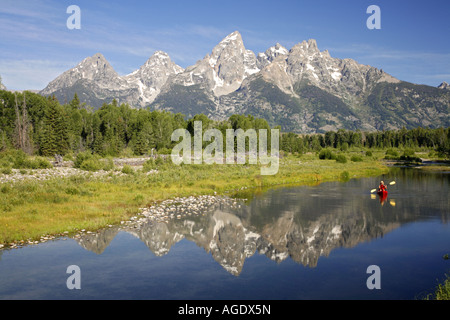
39, 125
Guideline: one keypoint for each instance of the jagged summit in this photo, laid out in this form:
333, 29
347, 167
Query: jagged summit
270, 54
97, 79
303, 89
234, 36
95, 68
444, 85
152, 75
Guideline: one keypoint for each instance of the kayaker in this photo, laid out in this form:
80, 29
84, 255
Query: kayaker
382, 187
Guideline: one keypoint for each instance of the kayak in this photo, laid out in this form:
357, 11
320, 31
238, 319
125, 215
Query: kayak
383, 194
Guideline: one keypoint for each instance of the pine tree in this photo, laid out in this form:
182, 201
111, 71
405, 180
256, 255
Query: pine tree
144, 140
54, 139
75, 103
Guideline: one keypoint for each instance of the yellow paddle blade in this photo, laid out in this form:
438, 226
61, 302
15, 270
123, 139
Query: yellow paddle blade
392, 183
392, 202
373, 196
373, 190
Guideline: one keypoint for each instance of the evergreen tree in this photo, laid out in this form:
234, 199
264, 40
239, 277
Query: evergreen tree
145, 140
54, 138
75, 103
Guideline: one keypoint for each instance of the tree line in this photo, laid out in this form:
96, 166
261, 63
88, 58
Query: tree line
433, 139
40, 125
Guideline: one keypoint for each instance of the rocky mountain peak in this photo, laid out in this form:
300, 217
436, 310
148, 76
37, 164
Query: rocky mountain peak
231, 46
222, 71
95, 68
444, 85
231, 63
277, 50
152, 75
270, 54
234, 37
306, 49
156, 69
137, 88
161, 58
303, 89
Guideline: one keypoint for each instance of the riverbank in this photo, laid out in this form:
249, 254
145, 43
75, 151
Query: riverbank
33, 209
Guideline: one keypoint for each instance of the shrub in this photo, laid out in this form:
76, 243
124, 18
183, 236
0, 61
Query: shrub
368, 153
164, 151
108, 164
327, 154
345, 176
126, 153
81, 157
356, 158
42, 163
91, 165
391, 154
5, 188
127, 169
68, 156
4, 163
18, 159
6, 158
344, 146
159, 161
341, 158
149, 165
38, 163
88, 162
409, 155
6, 170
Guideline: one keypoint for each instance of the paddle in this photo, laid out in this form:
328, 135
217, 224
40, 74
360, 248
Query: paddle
390, 183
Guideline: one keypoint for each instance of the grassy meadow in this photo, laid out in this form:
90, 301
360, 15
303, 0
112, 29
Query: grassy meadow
31, 208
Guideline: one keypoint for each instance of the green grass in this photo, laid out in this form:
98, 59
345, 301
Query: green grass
443, 290
33, 208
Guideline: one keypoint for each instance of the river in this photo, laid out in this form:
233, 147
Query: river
309, 242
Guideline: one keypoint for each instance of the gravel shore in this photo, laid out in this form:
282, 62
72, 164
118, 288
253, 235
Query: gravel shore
161, 212
67, 170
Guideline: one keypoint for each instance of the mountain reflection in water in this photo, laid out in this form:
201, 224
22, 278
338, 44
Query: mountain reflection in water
300, 223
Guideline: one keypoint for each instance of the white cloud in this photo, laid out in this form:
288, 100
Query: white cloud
37, 9
30, 74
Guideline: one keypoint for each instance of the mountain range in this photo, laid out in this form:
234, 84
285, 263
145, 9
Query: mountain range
303, 89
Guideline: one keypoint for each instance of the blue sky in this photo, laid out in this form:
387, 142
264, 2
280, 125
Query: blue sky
36, 45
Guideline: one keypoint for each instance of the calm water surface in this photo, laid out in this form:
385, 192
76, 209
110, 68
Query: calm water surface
289, 243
